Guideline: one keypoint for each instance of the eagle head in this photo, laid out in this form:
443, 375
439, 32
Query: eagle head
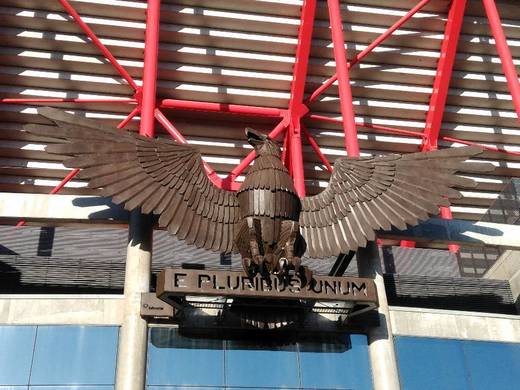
262, 143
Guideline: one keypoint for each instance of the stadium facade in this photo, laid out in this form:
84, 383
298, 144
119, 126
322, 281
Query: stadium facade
79, 284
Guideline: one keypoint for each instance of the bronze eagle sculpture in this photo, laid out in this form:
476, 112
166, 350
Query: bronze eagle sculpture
265, 220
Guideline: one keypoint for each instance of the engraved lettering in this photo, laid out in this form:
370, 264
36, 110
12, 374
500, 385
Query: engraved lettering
362, 288
178, 280
203, 279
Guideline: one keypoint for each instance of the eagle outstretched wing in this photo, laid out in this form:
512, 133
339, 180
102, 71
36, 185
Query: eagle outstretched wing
158, 175
371, 193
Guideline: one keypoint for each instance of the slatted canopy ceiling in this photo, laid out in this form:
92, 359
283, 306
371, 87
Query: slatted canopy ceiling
242, 52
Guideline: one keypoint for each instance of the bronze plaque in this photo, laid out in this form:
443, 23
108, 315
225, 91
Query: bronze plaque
181, 282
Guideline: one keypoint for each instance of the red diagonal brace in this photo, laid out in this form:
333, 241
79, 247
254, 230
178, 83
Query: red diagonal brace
122, 71
505, 54
296, 107
345, 93
440, 91
151, 52
368, 49
443, 76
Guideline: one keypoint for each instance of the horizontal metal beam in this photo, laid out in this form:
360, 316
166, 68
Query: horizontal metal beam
59, 210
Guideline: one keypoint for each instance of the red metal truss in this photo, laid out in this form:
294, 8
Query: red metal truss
442, 79
503, 51
440, 89
345, 93
145, 104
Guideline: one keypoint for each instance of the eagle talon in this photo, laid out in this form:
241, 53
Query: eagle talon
250, 267
305, 275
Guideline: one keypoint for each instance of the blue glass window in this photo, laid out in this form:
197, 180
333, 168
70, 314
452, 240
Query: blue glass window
16, 350
13, 387
74, 387
426, 363
66, 355
343, 364
177, 360
262, 365
184, 388
429, 363
493, 365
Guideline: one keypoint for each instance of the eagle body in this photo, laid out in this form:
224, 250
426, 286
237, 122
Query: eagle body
265, 220
269, 204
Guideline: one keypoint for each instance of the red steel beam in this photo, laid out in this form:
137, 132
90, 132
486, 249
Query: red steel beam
503, 51
65, 100
368, 49
151, 51
378, 128
442, 79
345, 93
485, 147
122, 71
130, 116
176, 134
439, 94
392, 130
316, 148
296, 107
222, 107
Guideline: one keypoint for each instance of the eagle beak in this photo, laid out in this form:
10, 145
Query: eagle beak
254, 137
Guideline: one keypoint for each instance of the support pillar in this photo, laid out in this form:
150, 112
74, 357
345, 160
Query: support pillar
381, 348
133, 337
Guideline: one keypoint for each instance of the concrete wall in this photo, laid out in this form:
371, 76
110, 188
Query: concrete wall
61, 309
108, 310
455, 324
507, 267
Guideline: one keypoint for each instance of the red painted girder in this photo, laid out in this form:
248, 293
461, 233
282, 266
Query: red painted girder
380, 128
439, 94
222, 107
316, 148
95, 40
130, 116
65, 100
151, 52
322, 88
503, 51
485, 147
296, 107
443, 76
345, 93
177, 136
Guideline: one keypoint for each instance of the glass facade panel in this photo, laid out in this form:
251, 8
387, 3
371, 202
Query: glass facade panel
16, 349
256, 364
73, 387
177, 360
341, 365
493, 365
183, 388
13, 387
75, 355
429, 363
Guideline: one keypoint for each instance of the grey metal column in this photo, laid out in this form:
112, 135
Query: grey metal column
131, 356
380, 340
